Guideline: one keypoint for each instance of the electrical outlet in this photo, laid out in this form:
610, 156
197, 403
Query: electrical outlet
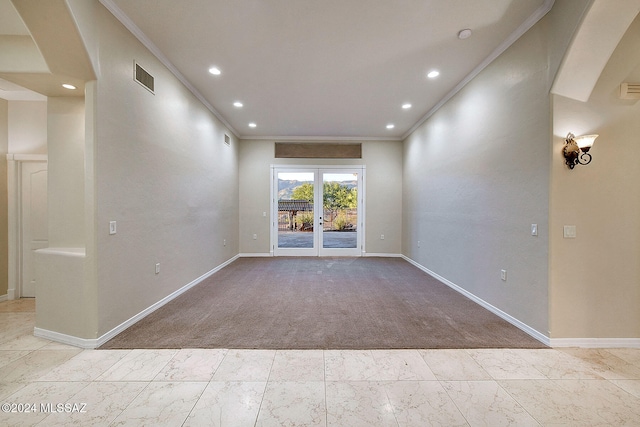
382, 237
255, 237
158, 268
224, 242
503, 275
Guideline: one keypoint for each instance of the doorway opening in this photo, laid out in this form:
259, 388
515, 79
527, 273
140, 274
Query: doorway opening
317, 211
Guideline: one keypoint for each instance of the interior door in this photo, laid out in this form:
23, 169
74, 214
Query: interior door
317, 212
33, 219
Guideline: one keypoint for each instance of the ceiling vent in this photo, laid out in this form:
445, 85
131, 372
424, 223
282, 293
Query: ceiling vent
144, 78
630, 91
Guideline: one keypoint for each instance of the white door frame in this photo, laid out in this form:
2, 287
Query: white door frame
317, 247
14, 192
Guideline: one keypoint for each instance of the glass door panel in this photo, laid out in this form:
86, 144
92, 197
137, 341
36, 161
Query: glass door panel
340, 218
296, 216
317, 212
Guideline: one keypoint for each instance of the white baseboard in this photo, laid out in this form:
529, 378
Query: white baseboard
381, 255
596, 342
95, 343
270, 254
4, 297
11, 294
515, 322
65, 339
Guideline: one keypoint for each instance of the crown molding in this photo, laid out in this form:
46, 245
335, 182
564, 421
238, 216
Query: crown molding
142, 37
320, 138
513, 37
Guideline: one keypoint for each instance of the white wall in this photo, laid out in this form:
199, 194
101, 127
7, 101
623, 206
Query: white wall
383, 161
28, 127
476, 176
4, 237
66, 135
23, 130
66, 301
594, 280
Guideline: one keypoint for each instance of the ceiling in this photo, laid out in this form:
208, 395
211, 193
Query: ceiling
12, 25
330, 69
326, 70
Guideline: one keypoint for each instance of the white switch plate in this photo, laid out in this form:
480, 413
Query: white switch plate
382, 237
569, 231
157, 268
503, 275
534, 229
112, 227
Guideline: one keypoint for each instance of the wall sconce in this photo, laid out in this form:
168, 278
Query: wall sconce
576, 149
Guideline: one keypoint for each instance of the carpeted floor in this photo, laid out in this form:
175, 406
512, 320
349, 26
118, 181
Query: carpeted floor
322, 303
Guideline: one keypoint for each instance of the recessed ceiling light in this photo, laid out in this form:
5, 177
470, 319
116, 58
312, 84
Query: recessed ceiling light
390, 126
464, 34
215, 71
68, 86
237, 104
433, 74
252, 125
406, 106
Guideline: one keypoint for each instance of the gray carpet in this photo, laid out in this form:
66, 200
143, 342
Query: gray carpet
322, 303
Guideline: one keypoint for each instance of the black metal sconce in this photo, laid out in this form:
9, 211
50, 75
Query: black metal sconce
576, 149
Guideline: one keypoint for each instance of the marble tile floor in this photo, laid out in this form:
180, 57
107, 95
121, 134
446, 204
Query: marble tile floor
48, 384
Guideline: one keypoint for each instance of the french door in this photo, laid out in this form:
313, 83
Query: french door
317, 211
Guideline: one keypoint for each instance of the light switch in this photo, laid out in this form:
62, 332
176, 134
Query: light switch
112, 227
569, 231
534, 229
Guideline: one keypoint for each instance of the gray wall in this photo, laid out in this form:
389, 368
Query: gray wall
155, 163
164, 174
476, 176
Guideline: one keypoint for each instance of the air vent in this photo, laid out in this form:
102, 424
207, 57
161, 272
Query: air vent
227, 140
630, 91
144, 78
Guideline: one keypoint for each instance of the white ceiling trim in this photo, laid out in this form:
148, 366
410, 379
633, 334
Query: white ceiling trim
513, 37
135, 30
320, 138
